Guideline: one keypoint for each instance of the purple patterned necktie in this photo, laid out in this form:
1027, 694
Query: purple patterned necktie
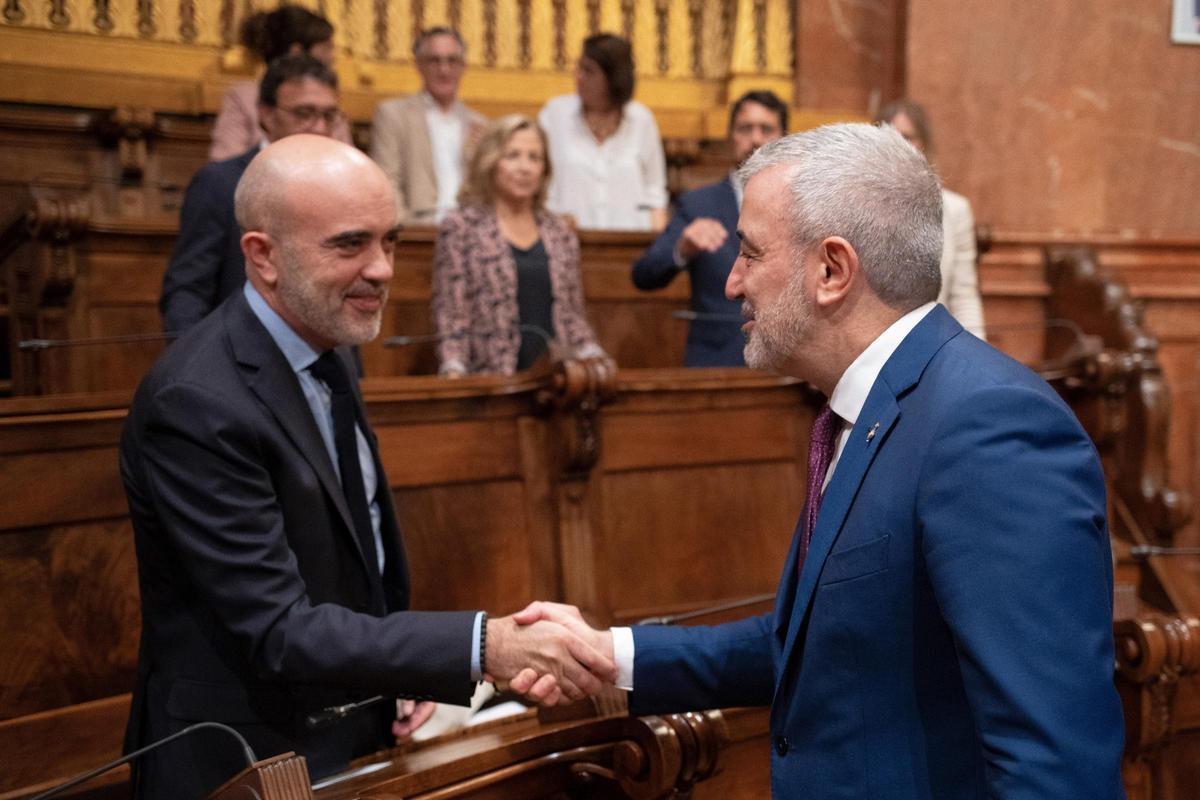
821, 445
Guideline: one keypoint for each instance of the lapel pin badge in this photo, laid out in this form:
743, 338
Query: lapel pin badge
871, 433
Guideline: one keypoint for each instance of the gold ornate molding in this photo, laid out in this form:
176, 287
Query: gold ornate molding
693, 57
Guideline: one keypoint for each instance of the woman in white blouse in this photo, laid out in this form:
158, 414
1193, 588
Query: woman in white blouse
609, 169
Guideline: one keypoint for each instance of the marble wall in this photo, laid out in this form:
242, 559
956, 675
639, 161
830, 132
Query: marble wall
1074, 117
849, 54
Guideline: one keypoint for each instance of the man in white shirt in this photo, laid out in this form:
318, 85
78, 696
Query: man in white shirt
422, 141
943, 623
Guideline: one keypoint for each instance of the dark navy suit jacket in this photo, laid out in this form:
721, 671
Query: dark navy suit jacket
950, 633
710, 343
207, 264
256, 606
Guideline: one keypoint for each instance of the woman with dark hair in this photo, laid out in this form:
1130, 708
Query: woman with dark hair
960, 284
288, 30
506, 272
610, 172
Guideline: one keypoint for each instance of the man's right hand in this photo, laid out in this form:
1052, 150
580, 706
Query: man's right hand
545, 660
702, 235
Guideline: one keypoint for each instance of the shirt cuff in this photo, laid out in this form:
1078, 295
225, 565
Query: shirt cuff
476, 667
622, 639
452, 367
680, 262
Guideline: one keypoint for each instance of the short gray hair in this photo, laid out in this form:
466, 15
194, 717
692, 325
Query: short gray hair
869, 186
438, 30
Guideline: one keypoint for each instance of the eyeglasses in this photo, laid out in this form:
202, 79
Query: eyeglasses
308, 115
442, 61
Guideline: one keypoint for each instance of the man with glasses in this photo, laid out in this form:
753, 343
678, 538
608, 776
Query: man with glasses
421, 141
701, 239
298, 94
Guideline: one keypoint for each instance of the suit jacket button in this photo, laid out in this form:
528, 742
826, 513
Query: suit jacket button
781, 745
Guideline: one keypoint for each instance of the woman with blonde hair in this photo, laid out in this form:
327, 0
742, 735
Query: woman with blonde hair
506, 275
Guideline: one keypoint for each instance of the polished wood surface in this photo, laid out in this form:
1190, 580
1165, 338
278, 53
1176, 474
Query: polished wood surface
609, 756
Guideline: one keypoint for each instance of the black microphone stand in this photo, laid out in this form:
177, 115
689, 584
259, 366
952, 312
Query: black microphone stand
87, 776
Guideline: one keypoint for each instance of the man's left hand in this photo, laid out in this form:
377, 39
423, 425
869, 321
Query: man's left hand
411, 715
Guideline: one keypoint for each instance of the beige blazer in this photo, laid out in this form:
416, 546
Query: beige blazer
400, 146
960, 284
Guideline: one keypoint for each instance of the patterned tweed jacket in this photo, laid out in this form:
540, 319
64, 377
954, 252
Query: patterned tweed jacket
475, 293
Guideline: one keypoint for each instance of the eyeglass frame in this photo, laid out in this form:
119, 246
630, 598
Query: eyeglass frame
308, 115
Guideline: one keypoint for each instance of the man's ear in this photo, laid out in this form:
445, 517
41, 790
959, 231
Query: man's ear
837, 270
266, 119
262, 255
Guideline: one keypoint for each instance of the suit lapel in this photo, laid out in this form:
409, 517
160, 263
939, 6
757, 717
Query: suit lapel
423, 157
270, 377
901, 372
848, 475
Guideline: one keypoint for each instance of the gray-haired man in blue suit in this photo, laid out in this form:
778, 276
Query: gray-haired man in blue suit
943, 623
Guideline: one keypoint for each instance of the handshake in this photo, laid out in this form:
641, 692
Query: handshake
548, 654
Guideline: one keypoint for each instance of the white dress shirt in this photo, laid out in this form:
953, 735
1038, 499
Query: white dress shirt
847, 401
446, 140
609, 185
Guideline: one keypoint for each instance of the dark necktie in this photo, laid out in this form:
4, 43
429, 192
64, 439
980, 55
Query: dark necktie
328, 368
821, 445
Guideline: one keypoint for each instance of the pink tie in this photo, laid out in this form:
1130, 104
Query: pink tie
821, 445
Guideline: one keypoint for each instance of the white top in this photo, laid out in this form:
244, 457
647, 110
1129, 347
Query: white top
847, 401
609, 185
446, 140
960, 284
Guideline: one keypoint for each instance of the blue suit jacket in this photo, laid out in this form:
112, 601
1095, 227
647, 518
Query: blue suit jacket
207, 263
950, 633
710, 343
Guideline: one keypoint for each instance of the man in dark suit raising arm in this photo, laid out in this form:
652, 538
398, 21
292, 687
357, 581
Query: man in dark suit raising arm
700, 238
943, 624
272, 573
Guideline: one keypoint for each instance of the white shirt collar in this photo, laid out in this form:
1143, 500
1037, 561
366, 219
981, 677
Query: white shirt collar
432, 105
850, 394
299, 353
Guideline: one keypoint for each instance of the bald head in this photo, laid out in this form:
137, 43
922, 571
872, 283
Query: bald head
281, 179
319, 231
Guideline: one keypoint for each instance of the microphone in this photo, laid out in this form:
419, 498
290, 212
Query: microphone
671, 619
1142, 552
707, 316
47, 344
421, 338
327, 716
87, 776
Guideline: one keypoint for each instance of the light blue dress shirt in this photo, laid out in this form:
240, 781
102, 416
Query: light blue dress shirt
300, 356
